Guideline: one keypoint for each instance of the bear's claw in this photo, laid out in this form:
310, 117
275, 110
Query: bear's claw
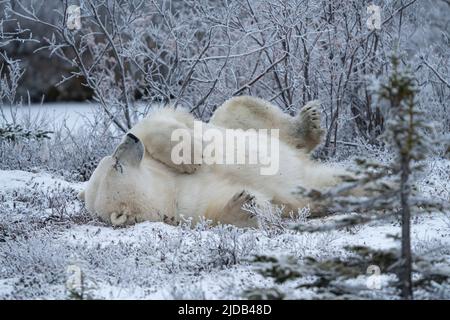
310, 115
241, 198
307, 126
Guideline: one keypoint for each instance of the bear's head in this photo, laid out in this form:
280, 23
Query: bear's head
118, 191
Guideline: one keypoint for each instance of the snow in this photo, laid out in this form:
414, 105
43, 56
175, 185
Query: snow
73, 115
153, 260
14, 179
45, 231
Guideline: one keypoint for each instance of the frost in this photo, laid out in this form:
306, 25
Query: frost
38, 242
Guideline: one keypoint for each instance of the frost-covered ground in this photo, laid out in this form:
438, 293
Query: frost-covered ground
47, 239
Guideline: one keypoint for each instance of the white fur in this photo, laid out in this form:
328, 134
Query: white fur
158, 190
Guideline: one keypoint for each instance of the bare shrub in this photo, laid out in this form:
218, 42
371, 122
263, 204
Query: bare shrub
198, 54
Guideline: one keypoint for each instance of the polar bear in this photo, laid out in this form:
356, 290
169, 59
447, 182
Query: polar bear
140, 181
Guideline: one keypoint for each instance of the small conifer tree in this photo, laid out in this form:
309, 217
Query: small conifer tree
373, 192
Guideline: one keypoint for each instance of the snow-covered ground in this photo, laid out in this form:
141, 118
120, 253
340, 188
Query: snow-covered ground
71, 114
47, 241
50, 247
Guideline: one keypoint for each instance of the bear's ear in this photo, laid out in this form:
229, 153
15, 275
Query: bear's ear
118, 219
130, 151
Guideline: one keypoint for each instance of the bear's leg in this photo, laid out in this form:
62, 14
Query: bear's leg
306, 127
233, 213
245, 112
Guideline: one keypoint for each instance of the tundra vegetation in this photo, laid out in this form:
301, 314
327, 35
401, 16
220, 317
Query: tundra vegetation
391, 115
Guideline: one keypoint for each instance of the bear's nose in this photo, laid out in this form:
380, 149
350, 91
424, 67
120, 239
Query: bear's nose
132, 136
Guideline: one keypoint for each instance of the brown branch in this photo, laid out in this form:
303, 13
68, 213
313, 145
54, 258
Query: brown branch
252, 82
435, 72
